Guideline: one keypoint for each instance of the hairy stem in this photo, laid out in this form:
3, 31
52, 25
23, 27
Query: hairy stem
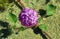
20, 3
47, 35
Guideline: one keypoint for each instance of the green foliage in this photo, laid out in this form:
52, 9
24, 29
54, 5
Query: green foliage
22, 29
14, 27
3, 1
37, 0
50, 9
12, 17
39, 19
42, 27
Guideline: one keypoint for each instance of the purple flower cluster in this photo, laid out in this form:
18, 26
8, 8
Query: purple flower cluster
28, 17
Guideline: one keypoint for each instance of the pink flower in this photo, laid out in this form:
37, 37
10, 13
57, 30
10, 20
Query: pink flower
28, 17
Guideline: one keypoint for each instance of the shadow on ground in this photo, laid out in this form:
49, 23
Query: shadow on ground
6, 32
39, 31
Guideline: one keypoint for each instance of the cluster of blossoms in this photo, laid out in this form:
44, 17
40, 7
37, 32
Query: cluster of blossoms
28, 17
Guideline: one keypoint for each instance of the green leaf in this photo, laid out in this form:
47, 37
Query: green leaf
22, 29
42, 27
14, 27
12, 17
50, 9
39, 19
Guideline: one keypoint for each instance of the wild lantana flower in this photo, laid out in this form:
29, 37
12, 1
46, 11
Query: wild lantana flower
28, 17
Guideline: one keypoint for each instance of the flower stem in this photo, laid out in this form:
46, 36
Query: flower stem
20, 3
43, 32
47, 35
